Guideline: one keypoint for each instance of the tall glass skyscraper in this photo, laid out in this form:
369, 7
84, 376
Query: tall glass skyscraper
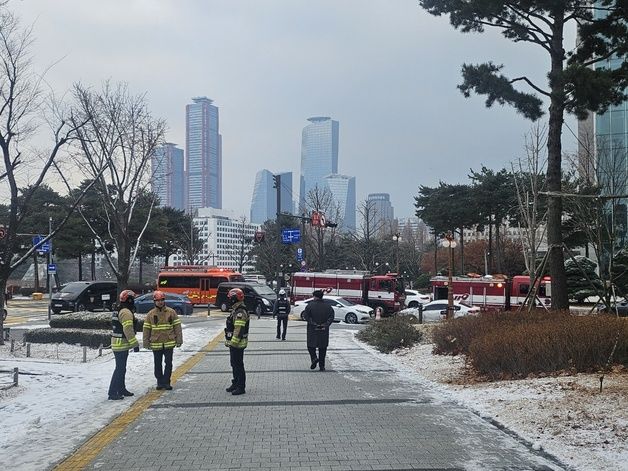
167, 176
203, 155
342, 188
264, 200
319, 154
382, 213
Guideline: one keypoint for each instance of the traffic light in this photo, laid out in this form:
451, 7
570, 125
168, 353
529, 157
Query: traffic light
331, 224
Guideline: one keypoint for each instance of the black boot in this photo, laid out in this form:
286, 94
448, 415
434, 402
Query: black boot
238, 391
116, 397
127, 393
314, 363
231, 388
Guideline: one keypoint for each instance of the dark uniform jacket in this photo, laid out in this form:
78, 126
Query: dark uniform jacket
237, 330
282, 308
123, 331
319, 317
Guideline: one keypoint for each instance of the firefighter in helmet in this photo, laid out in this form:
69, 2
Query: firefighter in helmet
162, 332
236, 338
122, 340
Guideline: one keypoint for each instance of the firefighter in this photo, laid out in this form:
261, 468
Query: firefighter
236, 338
122, 340
281, 310
162, 332
319, 317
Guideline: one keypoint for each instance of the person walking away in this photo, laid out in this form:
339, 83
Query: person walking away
236, 338
122, 340
319, 316
281, 310
162, 332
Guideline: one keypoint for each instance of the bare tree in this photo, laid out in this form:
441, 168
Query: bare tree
367, 247
320, 199
241, 251
121, 136
529, 181
23, 109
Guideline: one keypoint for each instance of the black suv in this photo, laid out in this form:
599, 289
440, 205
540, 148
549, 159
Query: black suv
85, 296
258, 298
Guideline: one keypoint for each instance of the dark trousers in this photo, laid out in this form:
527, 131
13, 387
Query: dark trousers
322, 351
236, 355
163, 373
117, 385
285, 327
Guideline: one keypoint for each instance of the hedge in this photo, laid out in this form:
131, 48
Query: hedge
84, 337
90, 320
391, 333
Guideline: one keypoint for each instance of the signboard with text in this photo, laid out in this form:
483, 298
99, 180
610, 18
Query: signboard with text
290, 236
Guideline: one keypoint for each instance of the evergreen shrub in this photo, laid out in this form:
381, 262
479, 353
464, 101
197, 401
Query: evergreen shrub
84, 337
390, 334
90, 320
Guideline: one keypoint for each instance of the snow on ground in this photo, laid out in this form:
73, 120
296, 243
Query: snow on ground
566, 416
44, 419
60, 401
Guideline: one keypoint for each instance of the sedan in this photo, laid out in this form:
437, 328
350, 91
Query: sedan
344, 310
620, 307
179, 302
414, 298
437, 310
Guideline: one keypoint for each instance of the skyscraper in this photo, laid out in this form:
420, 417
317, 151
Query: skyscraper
342, 188
264, 200
167, 180
319, 154
381, 213
203, 155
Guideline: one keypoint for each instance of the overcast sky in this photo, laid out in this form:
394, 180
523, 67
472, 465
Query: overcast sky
385, 69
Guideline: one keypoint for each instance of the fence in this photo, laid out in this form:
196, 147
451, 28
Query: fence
52, 351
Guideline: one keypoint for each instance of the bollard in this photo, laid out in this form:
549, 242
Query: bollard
16, 374
100, 350
12, 345
378, 313
28, 350
84, 354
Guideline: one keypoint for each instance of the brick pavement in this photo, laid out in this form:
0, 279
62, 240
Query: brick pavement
360, 414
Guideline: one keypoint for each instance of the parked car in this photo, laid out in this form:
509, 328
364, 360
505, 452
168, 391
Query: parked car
620, 307
179, 302
258, 298
85, 296
414, 298
344, 310
437, 310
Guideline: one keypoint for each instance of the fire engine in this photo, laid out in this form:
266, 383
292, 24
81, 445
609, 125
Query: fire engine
362, 287
489, 292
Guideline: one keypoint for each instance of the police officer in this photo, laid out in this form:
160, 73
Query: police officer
319, 316
236, 338
281, 310
162, 332
122, 340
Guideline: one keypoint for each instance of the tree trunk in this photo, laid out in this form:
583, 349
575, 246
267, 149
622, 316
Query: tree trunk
498, 248
141, 271
462, 250
80, 266
554, 149
35, 272
93, 265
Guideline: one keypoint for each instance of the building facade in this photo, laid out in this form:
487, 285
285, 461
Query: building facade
167, 179
225, 238
342, 188
203, 160
319, 154
381, 214
264, 199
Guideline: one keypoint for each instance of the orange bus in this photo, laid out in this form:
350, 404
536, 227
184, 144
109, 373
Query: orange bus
197, 282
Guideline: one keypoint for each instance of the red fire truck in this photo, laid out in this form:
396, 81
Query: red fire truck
385, 291
489, 292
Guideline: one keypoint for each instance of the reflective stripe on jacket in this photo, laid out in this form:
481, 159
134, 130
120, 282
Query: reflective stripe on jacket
123, 331
237, 330
162, 329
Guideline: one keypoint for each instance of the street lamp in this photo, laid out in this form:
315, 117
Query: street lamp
396, 238
450, 243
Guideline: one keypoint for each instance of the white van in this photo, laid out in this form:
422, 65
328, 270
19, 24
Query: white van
253, 278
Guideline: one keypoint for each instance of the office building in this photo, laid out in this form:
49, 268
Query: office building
203, 153
167, 179
319, 154
381, 214
342, 188
264, 199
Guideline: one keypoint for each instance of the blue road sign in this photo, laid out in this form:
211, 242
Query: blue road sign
52, 268
290, 236
42, 248
299, 254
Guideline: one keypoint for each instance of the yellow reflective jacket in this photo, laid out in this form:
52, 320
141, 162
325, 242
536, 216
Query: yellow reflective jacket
162, 329
123, 335
237, 330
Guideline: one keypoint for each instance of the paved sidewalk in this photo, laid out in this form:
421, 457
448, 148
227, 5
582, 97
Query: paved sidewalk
360, 414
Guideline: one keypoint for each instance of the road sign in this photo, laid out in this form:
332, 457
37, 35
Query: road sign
290, 236
3, 232
299, 254
52, 269
42, 248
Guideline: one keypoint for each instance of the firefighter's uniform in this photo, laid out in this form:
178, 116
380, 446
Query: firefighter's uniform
237, 338
162, 332
122, 340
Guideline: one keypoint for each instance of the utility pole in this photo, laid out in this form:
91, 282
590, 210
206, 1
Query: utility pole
48, 269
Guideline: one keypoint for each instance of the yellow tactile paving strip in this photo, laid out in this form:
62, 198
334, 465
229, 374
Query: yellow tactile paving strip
82, 457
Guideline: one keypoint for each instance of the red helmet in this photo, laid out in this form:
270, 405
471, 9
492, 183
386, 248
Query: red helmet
236, 293
126, 294
159, 296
